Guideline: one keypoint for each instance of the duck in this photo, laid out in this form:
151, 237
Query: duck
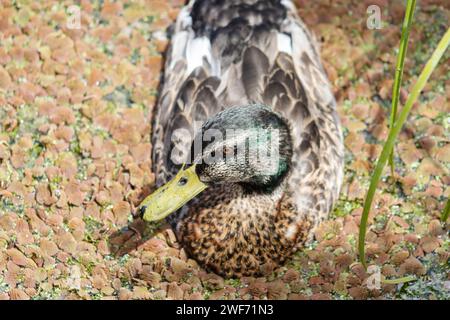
247, 144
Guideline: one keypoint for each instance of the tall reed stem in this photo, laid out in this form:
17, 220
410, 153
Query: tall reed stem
407, 22
393, 133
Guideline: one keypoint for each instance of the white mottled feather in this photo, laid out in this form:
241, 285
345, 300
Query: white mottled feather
284, 43
198, 49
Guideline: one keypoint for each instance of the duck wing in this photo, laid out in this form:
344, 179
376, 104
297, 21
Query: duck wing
187, 99
235, 52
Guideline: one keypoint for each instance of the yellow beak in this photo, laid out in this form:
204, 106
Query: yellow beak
172, 196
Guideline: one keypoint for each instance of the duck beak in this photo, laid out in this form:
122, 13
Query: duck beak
172, 196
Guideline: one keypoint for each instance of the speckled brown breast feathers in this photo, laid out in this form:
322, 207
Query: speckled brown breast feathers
228, 53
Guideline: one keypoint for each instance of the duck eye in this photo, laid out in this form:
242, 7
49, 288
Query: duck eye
182, 181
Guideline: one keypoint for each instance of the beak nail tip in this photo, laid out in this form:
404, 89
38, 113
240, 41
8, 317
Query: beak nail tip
141, 211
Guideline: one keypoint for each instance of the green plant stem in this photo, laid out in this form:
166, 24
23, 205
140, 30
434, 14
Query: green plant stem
446, 211
399, 280
407, 22
393, 133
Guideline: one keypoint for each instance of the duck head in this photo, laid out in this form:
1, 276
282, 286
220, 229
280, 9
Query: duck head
247, 145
